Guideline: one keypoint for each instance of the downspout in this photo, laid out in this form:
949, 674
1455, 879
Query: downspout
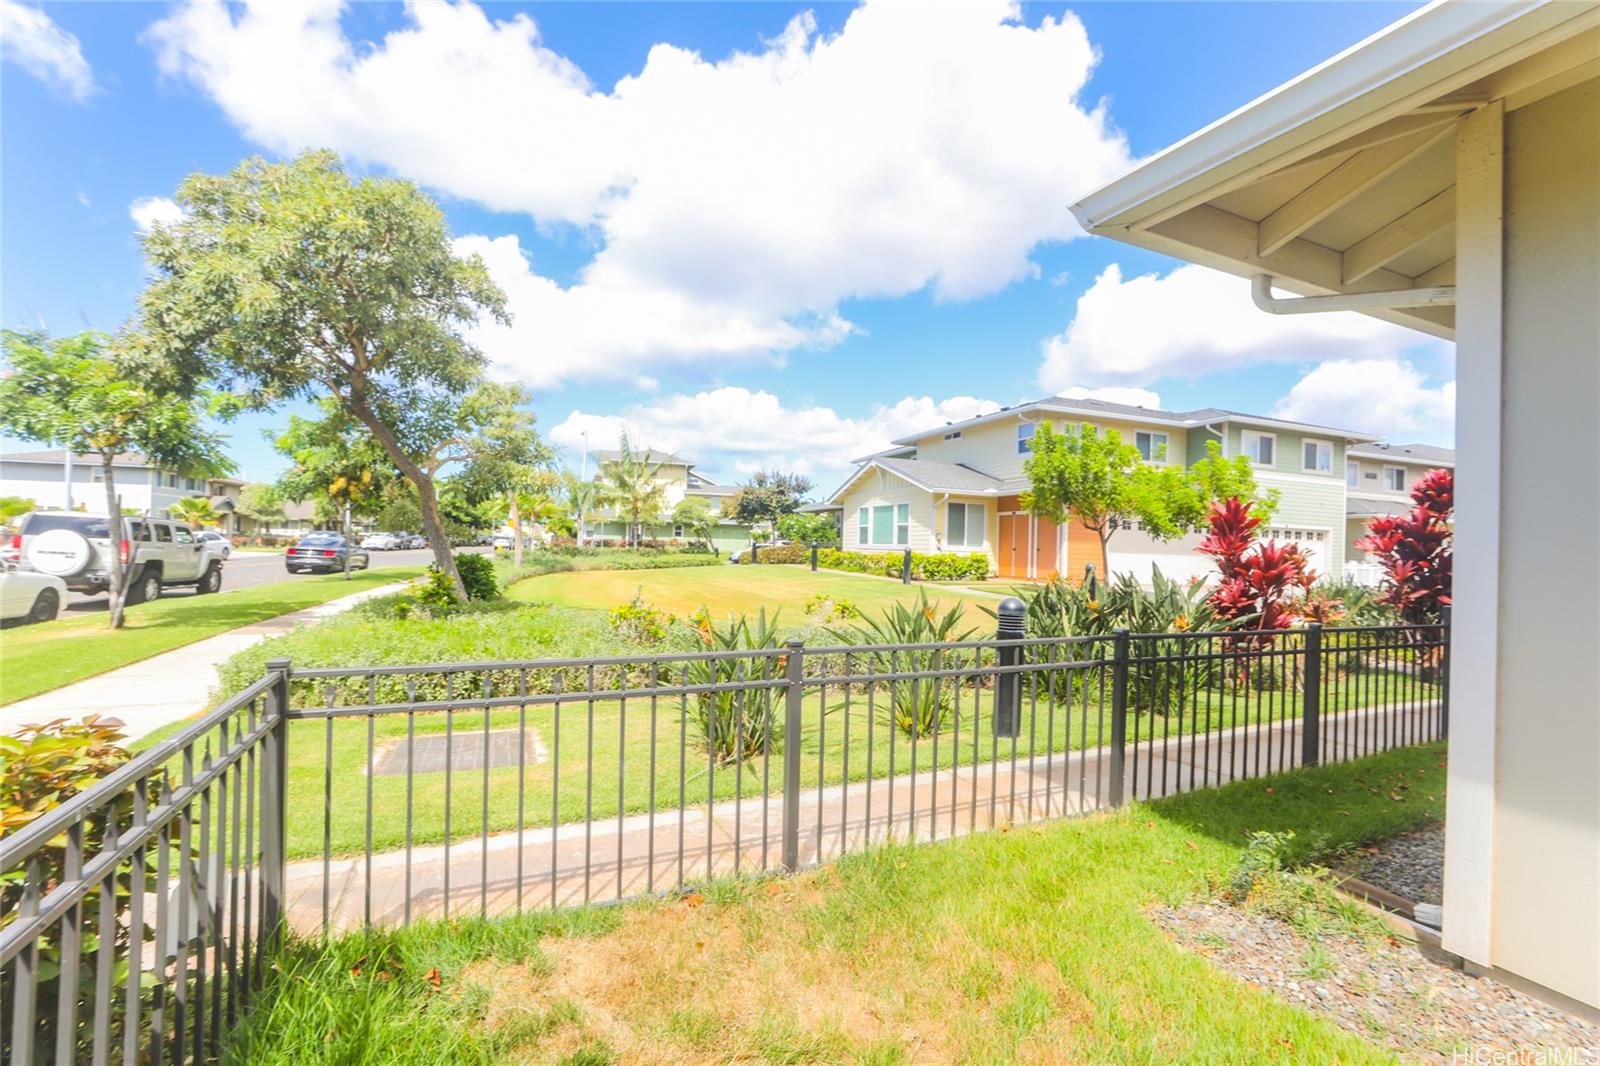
1433, 296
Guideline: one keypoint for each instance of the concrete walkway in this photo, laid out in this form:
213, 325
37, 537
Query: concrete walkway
169, 687
640, 854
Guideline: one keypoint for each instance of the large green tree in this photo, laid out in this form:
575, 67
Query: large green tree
71, 392
769, 495
693, 513
293, 280
1103, 482
632, 484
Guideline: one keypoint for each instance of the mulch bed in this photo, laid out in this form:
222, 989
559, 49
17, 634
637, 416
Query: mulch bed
1387, 990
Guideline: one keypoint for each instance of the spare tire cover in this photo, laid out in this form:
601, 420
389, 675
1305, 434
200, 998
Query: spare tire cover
59, 552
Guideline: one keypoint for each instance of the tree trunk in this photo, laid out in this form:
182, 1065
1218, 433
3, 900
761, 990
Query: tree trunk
118, 592
427, 498
516, 534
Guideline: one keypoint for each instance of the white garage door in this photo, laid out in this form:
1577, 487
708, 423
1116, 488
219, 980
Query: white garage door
1312, 542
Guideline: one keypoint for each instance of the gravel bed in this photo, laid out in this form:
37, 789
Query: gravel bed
1391, 992
1410, 865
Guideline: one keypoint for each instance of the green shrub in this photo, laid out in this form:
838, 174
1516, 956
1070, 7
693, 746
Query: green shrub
924, 567
639, 622
736, 724
477, 574
785, 554
831, 608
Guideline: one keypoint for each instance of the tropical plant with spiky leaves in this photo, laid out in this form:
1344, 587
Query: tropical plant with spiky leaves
918, 707
736, 724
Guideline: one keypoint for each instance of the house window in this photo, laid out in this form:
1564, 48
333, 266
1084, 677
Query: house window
1152, 446
953, 435
1316, 456
964, 525
1025, 432
884, 524
171, 480
97, 475
1261, 448
677, 532
1352, 474
1394, 478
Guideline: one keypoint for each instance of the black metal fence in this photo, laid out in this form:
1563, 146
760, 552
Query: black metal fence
139, 913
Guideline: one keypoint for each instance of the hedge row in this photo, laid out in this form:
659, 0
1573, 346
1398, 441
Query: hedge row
943, 567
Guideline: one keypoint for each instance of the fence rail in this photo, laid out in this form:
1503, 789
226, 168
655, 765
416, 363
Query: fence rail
138, 914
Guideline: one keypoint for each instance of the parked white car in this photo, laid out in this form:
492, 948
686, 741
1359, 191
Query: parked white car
219, 545
381, 542
30, 595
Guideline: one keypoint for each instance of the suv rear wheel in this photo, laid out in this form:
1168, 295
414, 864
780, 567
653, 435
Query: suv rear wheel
146, 586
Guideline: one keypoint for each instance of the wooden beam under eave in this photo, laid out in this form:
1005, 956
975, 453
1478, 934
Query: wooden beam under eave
1341, 185
1400, 236
1443, 274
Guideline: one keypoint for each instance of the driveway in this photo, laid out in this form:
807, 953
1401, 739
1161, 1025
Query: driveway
247, 569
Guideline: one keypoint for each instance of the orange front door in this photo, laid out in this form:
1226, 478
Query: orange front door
1011, 558
1046, 540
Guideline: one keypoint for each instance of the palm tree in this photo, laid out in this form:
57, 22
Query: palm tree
633, 484
196, 510
582, 499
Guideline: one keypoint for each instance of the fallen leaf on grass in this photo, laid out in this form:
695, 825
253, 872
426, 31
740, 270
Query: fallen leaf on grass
355, 971
1269, 790
774, 889
694, 899
1191, 845
382, 975
432, 977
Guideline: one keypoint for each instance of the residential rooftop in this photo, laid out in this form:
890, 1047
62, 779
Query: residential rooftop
1091, 408
1413, 453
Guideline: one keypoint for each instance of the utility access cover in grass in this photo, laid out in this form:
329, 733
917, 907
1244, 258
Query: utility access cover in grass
464, 751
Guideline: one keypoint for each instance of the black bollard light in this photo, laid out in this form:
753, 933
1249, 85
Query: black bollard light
1011, 627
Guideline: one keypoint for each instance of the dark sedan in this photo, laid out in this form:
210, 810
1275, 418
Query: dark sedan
324, 552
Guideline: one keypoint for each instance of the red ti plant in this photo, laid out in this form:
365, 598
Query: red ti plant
1262, 583
1415, 552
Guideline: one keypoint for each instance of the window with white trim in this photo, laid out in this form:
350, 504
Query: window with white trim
1394, 478
964, 525
1316, 456
1352, 474
884, 525
1260, 448
954, 434
1152, 446
1025, 431
677, 531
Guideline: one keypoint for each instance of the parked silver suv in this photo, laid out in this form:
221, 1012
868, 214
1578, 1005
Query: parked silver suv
77, 548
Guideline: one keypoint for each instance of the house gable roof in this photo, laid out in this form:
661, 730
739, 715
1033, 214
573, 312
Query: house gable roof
1406, 453
929, 475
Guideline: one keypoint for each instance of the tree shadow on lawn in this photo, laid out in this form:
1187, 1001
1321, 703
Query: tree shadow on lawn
1330, 809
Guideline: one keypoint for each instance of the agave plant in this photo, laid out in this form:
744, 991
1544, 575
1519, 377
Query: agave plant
737, 724
918, 707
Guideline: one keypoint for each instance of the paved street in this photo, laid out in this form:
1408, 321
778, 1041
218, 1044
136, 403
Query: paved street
248, 569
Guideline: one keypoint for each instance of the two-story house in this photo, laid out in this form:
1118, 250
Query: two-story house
53, 480
1378, 480
679, 481
955, 488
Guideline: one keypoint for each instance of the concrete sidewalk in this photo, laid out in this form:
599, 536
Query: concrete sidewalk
640, 854
171, 686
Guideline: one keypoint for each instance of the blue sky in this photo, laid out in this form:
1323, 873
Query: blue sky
779, 241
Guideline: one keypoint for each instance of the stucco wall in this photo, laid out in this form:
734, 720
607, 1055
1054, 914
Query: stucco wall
1546, 858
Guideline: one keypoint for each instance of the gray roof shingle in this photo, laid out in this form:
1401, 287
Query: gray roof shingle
1405, 453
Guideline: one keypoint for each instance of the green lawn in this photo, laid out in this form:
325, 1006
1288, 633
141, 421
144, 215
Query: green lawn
1027, 946
726, 590
44, 657
838, 738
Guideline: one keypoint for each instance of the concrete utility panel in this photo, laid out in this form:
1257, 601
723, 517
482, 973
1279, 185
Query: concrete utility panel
466, 750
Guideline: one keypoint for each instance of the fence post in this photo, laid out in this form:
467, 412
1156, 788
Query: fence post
813, 557
1311, 697
1119, 714
1444, 673
755, 550
793, 694
1011, 627
274, 805
905, 568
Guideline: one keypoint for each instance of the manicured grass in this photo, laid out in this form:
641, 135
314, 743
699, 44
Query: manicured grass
841, 739
1026, 946
44, 657
726, 590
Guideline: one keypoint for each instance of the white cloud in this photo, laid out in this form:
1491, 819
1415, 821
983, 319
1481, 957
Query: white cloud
1195, 321
1113, 394
32, 40
1387, 396
733, 431
148, 212
736, 201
